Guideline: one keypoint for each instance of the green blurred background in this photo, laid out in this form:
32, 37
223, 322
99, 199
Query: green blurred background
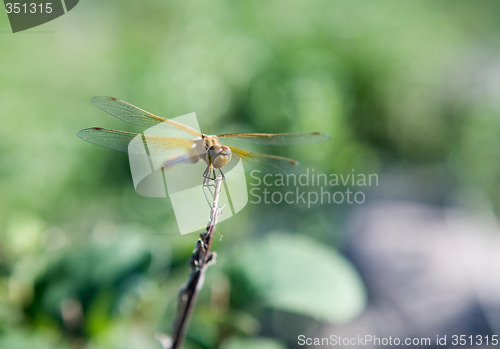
405, 89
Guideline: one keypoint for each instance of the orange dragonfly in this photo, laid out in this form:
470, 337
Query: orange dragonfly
197, 146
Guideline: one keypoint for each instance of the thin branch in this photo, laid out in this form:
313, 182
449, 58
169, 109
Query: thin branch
199, 261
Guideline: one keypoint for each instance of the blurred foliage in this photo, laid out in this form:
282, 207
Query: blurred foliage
87, 263
273, 282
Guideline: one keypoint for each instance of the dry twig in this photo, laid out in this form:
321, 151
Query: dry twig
199, 261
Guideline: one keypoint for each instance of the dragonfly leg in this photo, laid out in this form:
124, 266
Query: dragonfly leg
221, 173
205, 176
209, 174
208, 184
209, 177
209, 198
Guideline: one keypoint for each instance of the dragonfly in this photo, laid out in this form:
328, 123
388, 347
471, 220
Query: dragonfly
196, 146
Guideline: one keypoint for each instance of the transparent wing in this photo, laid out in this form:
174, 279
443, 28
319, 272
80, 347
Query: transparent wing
280, 139
265, 162
137, 116
120, 140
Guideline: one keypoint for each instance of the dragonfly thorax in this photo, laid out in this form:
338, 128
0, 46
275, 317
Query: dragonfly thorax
210, 141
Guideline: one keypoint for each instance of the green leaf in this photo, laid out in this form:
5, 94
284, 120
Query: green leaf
296, 274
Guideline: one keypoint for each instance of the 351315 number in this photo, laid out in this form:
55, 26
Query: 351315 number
28, 8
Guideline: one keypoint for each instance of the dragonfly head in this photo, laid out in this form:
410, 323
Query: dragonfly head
219, 155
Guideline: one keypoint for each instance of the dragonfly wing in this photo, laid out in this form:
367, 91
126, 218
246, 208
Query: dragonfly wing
135, 115
265, 162
280, 139
121, 141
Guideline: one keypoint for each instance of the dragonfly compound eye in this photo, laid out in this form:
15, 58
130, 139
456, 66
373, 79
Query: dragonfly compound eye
219, 155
